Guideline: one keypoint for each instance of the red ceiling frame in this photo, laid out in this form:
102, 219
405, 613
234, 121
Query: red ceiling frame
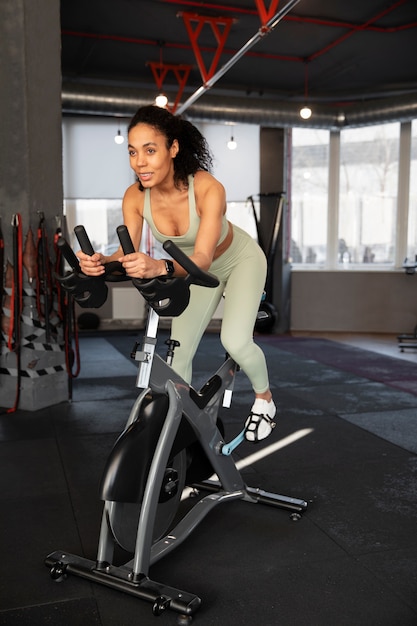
220, 27
351, 29
355, 29
181, 73
265, 14
178, 46
200, 4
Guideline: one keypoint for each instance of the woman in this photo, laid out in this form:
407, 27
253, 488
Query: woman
180, 200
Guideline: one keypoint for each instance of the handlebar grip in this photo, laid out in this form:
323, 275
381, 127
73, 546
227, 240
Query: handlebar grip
199, 276
68, 254
83, 240
125, 239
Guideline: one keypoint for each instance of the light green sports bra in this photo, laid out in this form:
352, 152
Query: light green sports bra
185, 242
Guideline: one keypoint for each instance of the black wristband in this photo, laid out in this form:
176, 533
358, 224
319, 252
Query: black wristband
169, 266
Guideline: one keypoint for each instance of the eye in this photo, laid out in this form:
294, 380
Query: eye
132, 153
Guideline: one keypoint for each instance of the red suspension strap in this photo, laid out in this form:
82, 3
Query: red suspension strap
14, 340
1, 274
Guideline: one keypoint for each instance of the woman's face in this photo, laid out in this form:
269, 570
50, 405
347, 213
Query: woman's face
149, 156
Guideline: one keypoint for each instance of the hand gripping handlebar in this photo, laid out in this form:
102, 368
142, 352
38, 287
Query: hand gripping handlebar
87, 291
196, 275
168, 296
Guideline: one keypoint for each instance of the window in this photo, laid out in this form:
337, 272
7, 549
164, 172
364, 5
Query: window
366, 211
369, 159
412, 211
309, 184
100, 218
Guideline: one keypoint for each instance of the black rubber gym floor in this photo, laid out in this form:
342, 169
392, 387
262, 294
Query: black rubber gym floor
346, 442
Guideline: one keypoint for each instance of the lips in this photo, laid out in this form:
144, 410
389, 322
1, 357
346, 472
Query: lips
145, 176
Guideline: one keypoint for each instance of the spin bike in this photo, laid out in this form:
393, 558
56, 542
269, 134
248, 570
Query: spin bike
173, 439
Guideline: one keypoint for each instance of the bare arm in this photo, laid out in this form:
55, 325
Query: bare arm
137, 264
211, 206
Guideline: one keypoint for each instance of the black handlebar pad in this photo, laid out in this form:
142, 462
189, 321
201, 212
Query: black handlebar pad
83, 240
125, 240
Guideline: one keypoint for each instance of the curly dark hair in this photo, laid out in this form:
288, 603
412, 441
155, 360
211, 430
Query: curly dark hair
194, 153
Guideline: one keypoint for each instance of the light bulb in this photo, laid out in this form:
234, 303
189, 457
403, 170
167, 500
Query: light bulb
305, 112
161, 100
231, 144
119, 138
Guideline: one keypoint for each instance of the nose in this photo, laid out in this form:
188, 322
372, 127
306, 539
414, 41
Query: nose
140, 158
137, 159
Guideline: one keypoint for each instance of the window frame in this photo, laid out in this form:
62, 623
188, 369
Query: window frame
333, 202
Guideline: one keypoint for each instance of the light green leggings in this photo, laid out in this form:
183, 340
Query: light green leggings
241, 271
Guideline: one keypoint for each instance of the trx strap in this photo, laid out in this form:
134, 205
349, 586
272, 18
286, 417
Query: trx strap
14, 339
44, 298
1, 275
66, 312
58, 269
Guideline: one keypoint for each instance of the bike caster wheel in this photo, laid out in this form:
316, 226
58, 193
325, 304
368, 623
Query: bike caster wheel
295, 517
184, 620
58, 572
160, 605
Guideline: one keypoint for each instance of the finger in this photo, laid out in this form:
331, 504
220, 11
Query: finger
93, 271
127, 257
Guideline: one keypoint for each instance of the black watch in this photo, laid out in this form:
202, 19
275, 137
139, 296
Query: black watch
169, 266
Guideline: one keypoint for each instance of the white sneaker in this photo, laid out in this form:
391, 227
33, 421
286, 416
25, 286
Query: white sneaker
260, 424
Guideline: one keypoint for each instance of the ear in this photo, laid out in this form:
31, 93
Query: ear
175, 148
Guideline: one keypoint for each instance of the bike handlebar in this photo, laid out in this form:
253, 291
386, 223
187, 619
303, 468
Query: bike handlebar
166, 296
83, 240
197, 275
68, 254
125, 240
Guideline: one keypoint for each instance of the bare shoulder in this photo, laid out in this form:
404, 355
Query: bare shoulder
133, 199
204, 183
210, 195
